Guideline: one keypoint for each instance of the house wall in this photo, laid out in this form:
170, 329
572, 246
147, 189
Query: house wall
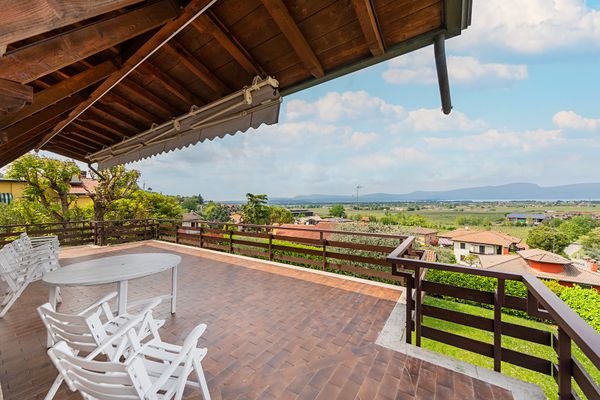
546, 267
16, 188
471, 248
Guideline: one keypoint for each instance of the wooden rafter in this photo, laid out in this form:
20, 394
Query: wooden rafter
130, 108
134, 91
125, 117
89, 138
190, 12
210, 24
294, 36
369, 26
61, 90
170, 84
122, 124
196, 67
31, 62
23, 19
82, 128
96, 125
14, 96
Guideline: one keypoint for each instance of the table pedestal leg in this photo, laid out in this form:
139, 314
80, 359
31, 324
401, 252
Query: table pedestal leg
52, 298
122, 300
174, 290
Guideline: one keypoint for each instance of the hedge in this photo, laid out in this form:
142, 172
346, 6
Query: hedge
585, 302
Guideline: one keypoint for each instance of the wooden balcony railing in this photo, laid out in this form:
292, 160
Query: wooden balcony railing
540, 303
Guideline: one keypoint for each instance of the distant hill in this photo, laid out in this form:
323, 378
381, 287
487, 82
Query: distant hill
511, 191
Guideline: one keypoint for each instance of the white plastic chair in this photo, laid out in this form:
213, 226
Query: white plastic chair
16, 275
96, 330
43, 250
156, 371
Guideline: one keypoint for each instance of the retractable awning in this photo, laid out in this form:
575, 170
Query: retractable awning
6, 198
250, 107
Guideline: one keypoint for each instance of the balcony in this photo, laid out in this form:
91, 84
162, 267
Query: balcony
278, 331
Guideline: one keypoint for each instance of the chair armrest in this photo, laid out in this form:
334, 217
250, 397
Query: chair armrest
97, 304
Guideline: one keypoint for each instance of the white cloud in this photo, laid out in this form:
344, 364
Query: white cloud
419, 67
335, 106
492, 140
388, 159
572, 120
359, 140
433, 120
531, 26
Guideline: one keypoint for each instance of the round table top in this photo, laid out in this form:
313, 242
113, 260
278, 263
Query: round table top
111, 269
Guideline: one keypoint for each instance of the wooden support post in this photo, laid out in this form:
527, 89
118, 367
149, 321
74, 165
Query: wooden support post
231, 242
498, 303
409, 309
324, 244
270, 245
201, 236
418, 306
565, 365
176, 233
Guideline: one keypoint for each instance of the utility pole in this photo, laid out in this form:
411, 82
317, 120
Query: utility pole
358, 187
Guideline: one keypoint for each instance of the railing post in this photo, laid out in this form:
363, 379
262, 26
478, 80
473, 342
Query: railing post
409, 309
231, 242
324, 244
498, 303
176, 233
565, 365
418, 308
270, 244
201, 236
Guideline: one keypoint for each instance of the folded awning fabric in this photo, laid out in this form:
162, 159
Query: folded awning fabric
250, 107
6, 198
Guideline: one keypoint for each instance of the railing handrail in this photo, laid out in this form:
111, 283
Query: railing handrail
294, 228
584, 335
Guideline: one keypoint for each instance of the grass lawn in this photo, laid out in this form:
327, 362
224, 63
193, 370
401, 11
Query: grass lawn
547, 383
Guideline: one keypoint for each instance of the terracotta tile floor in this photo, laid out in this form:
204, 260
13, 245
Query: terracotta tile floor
273, 333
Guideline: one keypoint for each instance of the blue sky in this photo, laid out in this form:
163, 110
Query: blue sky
525, 80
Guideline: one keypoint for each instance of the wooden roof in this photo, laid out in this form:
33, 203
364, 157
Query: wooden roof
76, 77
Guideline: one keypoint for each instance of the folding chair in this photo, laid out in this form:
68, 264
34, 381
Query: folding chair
16, 275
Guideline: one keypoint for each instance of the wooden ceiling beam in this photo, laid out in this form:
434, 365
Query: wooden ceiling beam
367, 18
23, 19
14, 96
58, 149
121, 123
31, 62
135, 91
21, 128
131, 108
78, 144
125, 117
191, 11
95, 124
169, 83
294, 36
61, 90
209, 23
84, 129
196, 67
84, 137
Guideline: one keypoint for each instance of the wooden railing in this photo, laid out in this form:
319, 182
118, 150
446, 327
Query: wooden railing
540, 303
325, 251
86, 232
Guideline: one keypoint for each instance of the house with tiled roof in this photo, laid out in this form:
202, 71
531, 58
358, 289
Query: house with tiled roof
469, 241
542, 264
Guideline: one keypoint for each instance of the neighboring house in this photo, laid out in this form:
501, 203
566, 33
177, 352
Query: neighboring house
524, 218
191, 219
307, 232
423, 236
81, 187
542, 264
469, 241
297, 213
236, 218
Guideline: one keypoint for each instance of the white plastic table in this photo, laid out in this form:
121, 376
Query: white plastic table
115, 269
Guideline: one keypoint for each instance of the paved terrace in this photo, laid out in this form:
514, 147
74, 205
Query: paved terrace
273, 333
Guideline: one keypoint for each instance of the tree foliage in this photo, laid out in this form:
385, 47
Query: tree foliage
547, 238
48, 184
338, 211
115, 183
216, 212
576, 227
280, 215
142, 204
591, 243
255, 211
190, 203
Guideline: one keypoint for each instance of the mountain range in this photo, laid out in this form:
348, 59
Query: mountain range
511, 191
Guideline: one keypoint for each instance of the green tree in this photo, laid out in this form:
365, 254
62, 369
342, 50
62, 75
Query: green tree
547, 238
48, 183
576, 226
255, 211
190, 203
200, 199
114, 184
216, 212
591, 243
280, 215
142, 204
338, 211
471, 259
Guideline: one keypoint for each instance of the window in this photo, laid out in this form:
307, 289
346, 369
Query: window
481, 249
463, 245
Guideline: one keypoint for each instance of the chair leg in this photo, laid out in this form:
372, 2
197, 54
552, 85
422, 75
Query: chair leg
54, 388
201, 379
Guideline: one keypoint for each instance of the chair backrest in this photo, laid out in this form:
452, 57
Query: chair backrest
102, 380
10, 268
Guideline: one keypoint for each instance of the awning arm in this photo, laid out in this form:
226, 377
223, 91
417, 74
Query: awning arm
439, 48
